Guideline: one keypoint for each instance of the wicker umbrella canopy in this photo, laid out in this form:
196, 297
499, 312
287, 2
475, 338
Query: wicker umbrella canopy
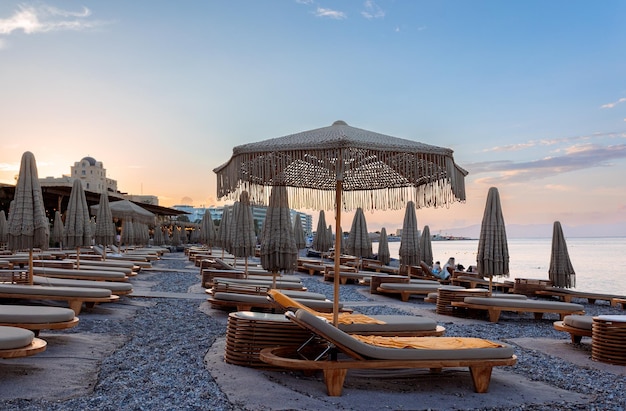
359, 243
384, 256
27, 225
176, 241
3, 228
157, 236
561, 271
298, 233
341, 167
125, 209
321, 241
57, 229
77, 231
409, 240
105, 227
223, 230
493, 250
278, 245
166, 235
426, 247
128, 233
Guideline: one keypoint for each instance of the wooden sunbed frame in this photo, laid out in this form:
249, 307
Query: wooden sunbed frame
335, 370
36, 327
619, 301
35, 347
568, 295
575, 333
404, 294
495, 310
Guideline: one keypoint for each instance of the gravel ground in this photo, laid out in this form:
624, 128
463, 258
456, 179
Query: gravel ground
171, 374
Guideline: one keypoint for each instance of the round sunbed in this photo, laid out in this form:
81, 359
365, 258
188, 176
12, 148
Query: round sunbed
116, 287
578, 326
37, 318
17, 342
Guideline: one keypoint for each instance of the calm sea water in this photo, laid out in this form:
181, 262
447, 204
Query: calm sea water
597, 261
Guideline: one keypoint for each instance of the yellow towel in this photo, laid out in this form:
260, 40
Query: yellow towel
427, 343
344, 318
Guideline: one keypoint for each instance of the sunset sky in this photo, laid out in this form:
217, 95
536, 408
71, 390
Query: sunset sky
530, 95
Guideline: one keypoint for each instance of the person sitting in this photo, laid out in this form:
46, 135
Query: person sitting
444, 271
436, 269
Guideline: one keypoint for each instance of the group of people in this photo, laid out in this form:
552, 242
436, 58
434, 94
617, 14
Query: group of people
443, 272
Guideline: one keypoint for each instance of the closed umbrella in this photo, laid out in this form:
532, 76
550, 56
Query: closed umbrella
242, 235
341, 168
157, 235
426, 247
359, 243
278, 245
298, 233
27, 226
207, 230
176, 236
493, 250
222, 232
561, 271
77, 229
3, 228
128, 233
105, 227
57, 229
166, 235
321, 242
384, 256
409, 240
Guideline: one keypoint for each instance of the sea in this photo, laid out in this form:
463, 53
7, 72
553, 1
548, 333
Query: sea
596, 261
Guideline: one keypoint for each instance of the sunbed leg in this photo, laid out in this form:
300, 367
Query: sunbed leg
539, 316
334, 379
436, 370
494, 315
591, 300
404, 296
576, 339
76, 306
481, 377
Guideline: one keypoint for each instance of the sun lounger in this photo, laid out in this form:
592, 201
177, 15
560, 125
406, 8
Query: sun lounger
406, 290
116, 287
247, 302
346, 276
287, 285
578, 326
94, 275
618, 301
475, 282
75, 296
17, 342
496, 305
390, 325
357, 354
37, 318
567, 295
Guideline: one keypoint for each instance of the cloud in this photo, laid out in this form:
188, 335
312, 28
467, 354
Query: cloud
45, 19
9, 166
372, 10
553, 141
611, 105
333, 14
575, 158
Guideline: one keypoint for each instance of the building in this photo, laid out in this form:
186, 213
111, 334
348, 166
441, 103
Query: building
93, 175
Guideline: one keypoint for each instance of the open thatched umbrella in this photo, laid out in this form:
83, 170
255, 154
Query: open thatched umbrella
384, 256
278, 245
242, 234
298, 233
561, 271
341, 167
409, 240
77, 230
57, 229
359, 243
27, 226
426, 247
493, 250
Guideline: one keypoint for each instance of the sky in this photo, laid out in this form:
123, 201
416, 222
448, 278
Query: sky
530, 95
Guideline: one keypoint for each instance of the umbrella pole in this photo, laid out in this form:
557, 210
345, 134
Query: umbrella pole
30, 266
246, 269
338, 190
77, 257
490, 284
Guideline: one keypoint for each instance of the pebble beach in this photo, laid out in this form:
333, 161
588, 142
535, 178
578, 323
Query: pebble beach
158, 361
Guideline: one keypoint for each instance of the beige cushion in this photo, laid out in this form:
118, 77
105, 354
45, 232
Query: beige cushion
392, 323
27, 314
584, 322
515, 303
13, 337
114, 286
27, 290
62, 272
